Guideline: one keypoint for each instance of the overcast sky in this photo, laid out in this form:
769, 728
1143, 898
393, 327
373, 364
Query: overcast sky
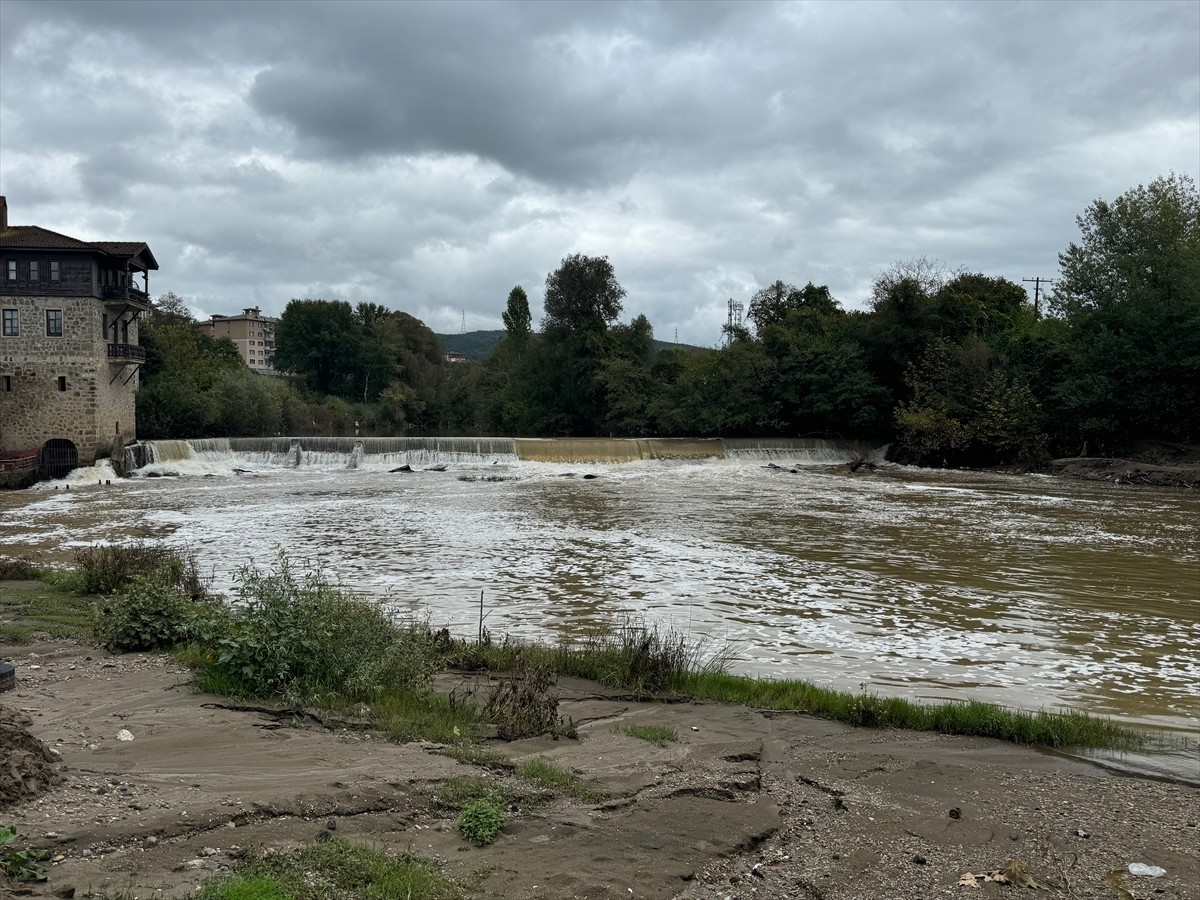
430, 156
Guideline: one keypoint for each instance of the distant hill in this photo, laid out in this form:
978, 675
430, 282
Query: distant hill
476, 345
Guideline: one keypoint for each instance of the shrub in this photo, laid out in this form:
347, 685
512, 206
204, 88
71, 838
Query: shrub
152, 613
481, 821
523, 706
301, 637
19, 568
108, 568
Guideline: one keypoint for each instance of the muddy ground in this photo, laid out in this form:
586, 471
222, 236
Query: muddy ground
746, 804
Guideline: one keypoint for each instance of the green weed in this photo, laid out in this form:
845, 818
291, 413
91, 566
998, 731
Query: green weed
19, 864
108, 568
484, 757
481, 821
655, 734
548, 776
335, 868
43, 609
299, 637
18, 568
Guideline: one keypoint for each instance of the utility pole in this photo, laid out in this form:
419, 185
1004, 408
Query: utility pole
1037, 293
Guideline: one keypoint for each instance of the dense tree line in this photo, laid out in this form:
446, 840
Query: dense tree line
957, 367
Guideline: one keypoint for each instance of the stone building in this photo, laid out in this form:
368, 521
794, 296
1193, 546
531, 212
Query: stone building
251, 332
69, 354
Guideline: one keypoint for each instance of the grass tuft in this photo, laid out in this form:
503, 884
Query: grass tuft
547, 776
655, 734
332, 869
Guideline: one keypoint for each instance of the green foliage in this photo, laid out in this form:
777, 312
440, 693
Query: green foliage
412, 713
582, 294
108, 568
19, 864
773, 304
459, 793
547, 776
151, 612
18, 568
1047, 729
518, 322
299, 637
53, 609
319, 340
240, 887
1129, 297
334, 868
481, 821
655, 734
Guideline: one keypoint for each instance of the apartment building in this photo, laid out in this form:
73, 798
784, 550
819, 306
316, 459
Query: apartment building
251, 332
69, 352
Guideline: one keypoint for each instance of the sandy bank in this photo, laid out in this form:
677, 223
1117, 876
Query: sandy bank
746, 804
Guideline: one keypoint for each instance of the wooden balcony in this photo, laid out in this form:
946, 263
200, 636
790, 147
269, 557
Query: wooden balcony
115, 293
126, 353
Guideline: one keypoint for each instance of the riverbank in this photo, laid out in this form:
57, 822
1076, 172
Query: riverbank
744, 803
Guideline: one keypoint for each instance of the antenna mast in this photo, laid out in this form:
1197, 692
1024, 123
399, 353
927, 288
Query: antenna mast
734, 320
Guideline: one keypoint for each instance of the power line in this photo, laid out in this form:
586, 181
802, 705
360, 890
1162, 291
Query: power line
1037, 292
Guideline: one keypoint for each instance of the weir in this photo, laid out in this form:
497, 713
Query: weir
804, 451
353, 452
616, 449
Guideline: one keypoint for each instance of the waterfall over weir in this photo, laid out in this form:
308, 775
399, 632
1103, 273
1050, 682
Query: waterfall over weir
216, 455
804, 451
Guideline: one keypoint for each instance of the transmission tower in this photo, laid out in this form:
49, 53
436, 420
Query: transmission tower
464, 323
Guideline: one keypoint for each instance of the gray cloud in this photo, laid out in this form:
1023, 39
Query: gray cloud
431, 155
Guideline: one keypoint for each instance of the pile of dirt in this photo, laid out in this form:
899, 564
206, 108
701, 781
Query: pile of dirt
1127, 471
27, 767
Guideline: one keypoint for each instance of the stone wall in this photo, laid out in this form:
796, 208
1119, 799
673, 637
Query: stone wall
89, 411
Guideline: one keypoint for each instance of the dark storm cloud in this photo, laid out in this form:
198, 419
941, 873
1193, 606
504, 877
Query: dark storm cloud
431, 155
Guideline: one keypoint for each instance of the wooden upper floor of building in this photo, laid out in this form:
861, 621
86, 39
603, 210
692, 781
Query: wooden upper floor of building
37, 262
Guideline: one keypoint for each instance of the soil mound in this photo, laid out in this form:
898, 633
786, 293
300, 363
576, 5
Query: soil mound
27, 767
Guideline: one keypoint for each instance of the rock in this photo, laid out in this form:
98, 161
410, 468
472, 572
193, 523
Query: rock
124, 735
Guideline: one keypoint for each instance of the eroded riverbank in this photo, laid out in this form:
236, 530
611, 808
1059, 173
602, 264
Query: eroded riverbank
744, 804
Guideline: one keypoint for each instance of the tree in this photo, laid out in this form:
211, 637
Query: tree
582, 294
771, 305
1143, 246
319, 340
517, 320
929, 275
1129, 297
170, 309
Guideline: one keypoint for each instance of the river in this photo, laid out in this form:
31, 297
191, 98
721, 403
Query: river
1029, 591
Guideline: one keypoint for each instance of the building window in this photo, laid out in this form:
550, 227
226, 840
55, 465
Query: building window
62, 382
54, 323
33, 270
11, 326
54, 275
12, 270
8, 384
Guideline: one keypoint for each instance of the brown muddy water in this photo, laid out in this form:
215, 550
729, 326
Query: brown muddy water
1024, 590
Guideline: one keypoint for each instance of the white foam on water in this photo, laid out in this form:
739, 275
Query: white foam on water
914, 583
